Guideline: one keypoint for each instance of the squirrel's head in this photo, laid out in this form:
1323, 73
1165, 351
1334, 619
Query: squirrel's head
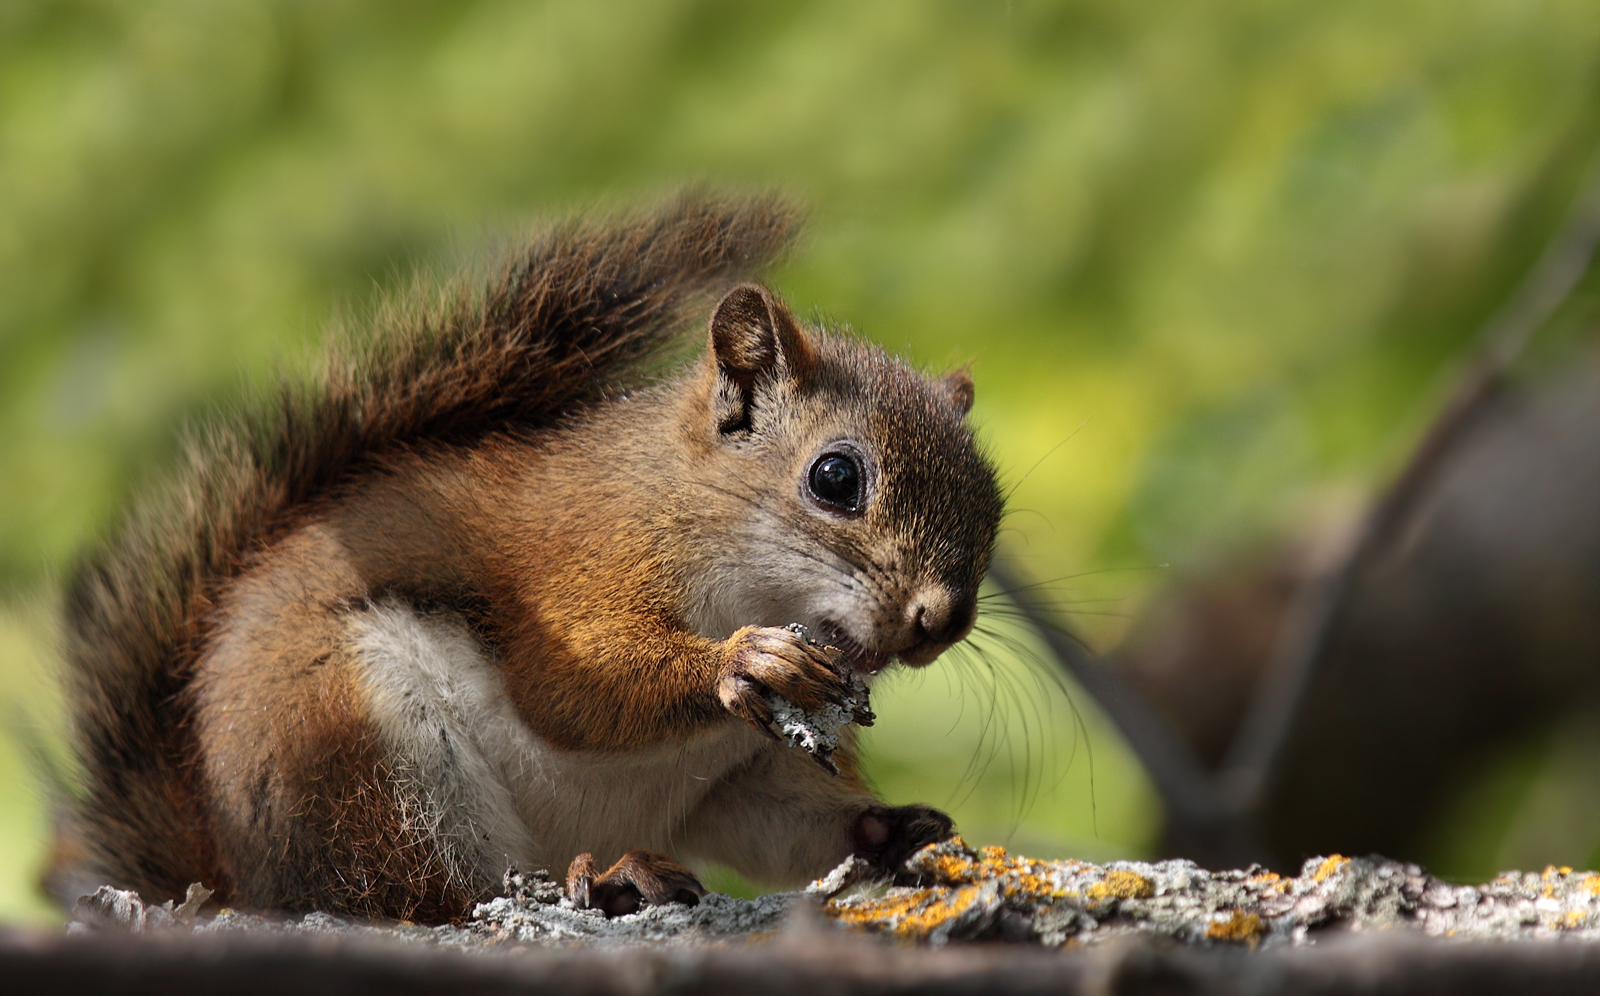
845, 488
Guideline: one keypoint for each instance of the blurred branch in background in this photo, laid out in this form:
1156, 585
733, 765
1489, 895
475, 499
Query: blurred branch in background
1308, 627
1214, 816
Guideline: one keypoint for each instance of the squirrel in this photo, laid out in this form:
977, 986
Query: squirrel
507, 587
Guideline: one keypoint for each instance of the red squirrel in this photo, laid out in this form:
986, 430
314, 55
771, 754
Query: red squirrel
505, 587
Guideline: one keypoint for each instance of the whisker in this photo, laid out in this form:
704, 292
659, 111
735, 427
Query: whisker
1002, 592
1013, 489
996, 628
1075, 612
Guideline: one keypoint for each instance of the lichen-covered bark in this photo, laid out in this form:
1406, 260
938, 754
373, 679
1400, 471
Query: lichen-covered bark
953, 892
950, 892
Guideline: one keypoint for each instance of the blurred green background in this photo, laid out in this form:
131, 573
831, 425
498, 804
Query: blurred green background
1210, 262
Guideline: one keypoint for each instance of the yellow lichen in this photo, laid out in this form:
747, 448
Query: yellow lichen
923, 921
1025, 881
954, 868
952, 864
1271, 880
1330, 864
1122, 885
1573, 920
1240, 927
909, 912
861, 912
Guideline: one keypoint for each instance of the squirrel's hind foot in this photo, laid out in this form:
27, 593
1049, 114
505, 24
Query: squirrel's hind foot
638, 878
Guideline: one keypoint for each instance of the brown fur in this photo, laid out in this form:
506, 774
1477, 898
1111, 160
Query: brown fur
618, 552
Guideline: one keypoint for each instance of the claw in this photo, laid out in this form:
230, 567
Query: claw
638, 878
785, 663
580, 877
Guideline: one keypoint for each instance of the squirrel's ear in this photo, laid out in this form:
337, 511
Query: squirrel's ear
957, 389
754, 336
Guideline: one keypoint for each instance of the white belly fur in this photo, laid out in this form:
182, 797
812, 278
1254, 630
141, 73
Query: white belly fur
496, 793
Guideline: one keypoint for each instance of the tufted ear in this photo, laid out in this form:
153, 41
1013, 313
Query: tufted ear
957, 388
753, 336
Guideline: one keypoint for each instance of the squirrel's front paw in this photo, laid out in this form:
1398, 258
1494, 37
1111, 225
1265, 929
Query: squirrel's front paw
638, 877
774, 659
888, 835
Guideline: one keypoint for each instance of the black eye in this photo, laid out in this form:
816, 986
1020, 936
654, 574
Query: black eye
836, 480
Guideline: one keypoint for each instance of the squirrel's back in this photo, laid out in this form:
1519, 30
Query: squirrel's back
562, 323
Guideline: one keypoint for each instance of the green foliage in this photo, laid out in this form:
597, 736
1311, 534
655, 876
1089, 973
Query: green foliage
1208, 260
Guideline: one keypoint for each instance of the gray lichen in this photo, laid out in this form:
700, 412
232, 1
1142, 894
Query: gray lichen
717, 918
119, 908
817, 733
949, 892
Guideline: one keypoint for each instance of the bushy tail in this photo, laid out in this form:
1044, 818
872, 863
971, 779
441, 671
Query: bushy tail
560, 323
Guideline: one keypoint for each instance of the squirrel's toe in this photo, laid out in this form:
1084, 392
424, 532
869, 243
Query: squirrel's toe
888, 835
637, 879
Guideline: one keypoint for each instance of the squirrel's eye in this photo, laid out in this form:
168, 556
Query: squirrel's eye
836, 480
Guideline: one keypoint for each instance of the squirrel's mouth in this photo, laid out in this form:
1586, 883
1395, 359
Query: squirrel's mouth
857, 656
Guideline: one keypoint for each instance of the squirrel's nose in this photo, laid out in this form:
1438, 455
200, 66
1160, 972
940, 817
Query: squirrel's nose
940, 616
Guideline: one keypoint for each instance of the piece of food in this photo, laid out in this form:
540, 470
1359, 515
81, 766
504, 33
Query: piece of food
817, 733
